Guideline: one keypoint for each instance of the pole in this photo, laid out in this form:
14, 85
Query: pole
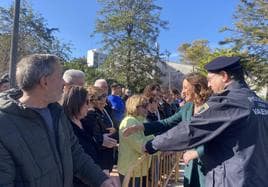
14, 44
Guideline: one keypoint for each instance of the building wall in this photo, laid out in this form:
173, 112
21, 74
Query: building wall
174, 74
95, 58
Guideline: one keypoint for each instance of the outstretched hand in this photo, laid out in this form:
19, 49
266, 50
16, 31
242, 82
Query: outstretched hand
133, 129
190, 155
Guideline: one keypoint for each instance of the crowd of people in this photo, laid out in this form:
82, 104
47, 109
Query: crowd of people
56, 130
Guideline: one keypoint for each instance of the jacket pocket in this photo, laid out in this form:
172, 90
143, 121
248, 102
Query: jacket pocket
216, 177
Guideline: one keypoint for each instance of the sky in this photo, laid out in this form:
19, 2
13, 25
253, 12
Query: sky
189, 20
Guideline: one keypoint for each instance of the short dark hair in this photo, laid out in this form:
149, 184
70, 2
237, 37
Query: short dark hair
175, 91
236, 74
73, 99
115, 85
149, 88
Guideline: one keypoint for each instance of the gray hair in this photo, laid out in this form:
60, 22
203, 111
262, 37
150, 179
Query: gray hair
100, 82
71, 75
32, 68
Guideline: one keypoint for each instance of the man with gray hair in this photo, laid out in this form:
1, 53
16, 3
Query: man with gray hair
102, 83
37, 145
74, 77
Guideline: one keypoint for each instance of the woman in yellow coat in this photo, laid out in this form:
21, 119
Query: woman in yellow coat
130, 148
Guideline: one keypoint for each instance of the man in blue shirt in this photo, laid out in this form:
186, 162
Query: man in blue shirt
117, 102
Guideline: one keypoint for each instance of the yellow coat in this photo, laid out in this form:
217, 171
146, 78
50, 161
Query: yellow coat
130, 148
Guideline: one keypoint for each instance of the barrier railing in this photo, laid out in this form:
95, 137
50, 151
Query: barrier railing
163, 167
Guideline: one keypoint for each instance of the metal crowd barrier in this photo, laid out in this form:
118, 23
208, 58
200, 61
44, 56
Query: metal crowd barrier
164, 167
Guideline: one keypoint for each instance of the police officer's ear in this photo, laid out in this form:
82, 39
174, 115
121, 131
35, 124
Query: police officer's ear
43, 82
225, 76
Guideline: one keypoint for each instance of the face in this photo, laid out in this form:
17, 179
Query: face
84, 109
216, 82
54, 84
118, 91
156, 92
142, 109
104, 86
101, 101
153, 106
187, 91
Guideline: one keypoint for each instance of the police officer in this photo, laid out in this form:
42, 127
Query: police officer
233, 129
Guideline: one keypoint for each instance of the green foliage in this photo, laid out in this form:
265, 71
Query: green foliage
250, 35
34, 35
92, 73
249, 40
129, 32
250, 62
194, 53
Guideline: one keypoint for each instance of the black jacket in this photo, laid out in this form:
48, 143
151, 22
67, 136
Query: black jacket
96, 122
28, 157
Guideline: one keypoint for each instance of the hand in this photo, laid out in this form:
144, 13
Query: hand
190, 155
143, 149
111, 130
110, 183
133, 129
109, 142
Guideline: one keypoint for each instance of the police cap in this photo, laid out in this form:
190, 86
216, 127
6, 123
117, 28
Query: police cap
223, 63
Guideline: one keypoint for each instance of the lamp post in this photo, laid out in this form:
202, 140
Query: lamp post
14, 44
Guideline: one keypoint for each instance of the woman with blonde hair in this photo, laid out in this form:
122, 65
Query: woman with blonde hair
130, 148
100, 126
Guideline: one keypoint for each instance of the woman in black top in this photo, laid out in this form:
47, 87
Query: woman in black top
76, 103
99, 123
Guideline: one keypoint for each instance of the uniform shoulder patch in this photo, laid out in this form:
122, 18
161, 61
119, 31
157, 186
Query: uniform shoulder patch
203, 108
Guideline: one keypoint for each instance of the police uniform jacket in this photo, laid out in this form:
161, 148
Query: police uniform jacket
234, 131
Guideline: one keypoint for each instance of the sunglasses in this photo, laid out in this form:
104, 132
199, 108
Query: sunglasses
102, 96
144, 105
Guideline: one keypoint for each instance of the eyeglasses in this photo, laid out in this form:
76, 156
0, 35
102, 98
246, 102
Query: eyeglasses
144, 105
102, 96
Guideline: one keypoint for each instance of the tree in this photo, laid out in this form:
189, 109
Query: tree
198, 53
129, 30
193, 53
34, 35
91, 73
250, 35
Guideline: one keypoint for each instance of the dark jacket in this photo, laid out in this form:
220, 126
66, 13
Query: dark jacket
28, 158
151, 116
235, 130
87, 142
165, 110
96, 122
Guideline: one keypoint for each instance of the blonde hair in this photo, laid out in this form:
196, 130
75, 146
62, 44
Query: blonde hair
94, 93
133, 102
